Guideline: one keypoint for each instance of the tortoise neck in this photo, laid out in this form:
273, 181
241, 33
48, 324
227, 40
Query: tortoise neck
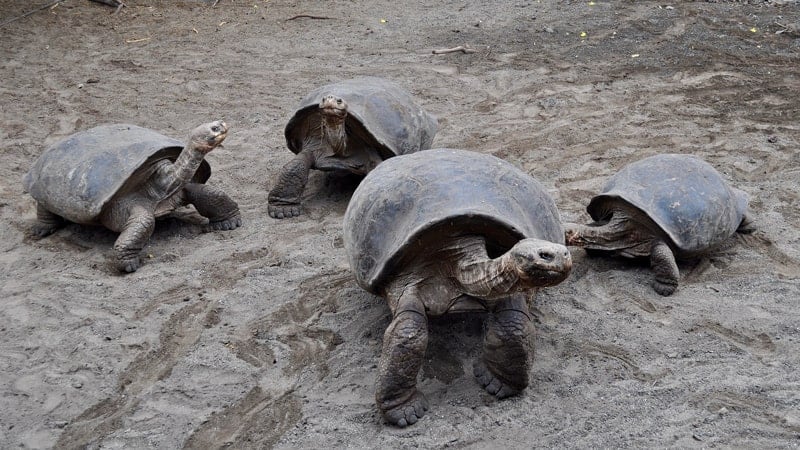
618, 232
333, 133
182, 170
482, 276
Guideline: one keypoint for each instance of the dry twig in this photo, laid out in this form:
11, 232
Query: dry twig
49, 5
308, 16
460, 48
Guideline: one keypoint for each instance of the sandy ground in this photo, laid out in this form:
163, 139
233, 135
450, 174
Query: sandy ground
259, 337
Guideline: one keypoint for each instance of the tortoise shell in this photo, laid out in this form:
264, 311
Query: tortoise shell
78, 176
378, 110
682, 194
411, 202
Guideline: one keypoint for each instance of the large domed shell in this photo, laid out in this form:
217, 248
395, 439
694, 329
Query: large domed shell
684, 195
76, 177
409, 203
377, 108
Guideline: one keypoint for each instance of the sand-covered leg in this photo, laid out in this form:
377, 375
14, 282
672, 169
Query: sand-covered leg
46, 222
134, 236
662, 262
284, 198
222, 212
507, 348
404, 345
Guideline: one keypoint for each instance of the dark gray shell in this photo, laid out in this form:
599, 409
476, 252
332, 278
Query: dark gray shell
409, 202
378, 108
76, 177
684, 195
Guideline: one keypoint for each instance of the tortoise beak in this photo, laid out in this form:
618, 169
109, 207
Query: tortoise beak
546, 265
221, 130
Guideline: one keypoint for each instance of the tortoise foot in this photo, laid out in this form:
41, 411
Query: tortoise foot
408, 412
491, 383
665, 288
227, 224
41, 230
129, 265
284, 211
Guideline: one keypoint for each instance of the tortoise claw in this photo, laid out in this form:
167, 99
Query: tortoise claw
409, 412
665, 288
129, 265
284, 211
491, 383
40, 231
227, 224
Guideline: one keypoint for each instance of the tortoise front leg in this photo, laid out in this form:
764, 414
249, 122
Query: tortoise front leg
221, 210
404, 345
507, 348
134, 236
46, 222
284, 198
662, 262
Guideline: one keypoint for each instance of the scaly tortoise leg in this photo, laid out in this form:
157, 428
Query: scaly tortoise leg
284, 198
662, 262
134, 236
211, 202
507, 348
46, 222
404, 345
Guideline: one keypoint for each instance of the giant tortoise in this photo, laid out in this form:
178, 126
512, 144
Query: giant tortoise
123, 177
450, 230
661, 207
348, 126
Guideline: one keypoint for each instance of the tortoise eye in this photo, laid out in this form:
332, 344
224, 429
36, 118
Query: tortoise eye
215, 129
338, 101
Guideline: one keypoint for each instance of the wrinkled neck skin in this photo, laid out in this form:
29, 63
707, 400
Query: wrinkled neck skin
460, 267
482, 276
334, 133
171, 177
620, 233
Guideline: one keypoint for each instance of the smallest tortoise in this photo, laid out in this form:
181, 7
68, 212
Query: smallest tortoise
123, 177
661, 207
348, 126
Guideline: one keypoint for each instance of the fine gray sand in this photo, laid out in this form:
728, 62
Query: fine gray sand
259, 337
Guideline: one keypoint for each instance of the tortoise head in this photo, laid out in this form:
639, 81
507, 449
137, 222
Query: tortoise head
540, 263
208, 136
333, 107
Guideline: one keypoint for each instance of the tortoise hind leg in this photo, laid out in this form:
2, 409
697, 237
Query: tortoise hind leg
746, 226
662, 262
284, 198
134, 236
46, 222
211, 202
404, 345
507, 349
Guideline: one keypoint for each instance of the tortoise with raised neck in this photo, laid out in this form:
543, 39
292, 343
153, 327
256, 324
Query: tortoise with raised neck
123, 177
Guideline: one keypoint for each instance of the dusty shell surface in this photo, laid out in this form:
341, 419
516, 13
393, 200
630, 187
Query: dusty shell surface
388, 114
684, 196
260, 336
77, 177
409, 204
